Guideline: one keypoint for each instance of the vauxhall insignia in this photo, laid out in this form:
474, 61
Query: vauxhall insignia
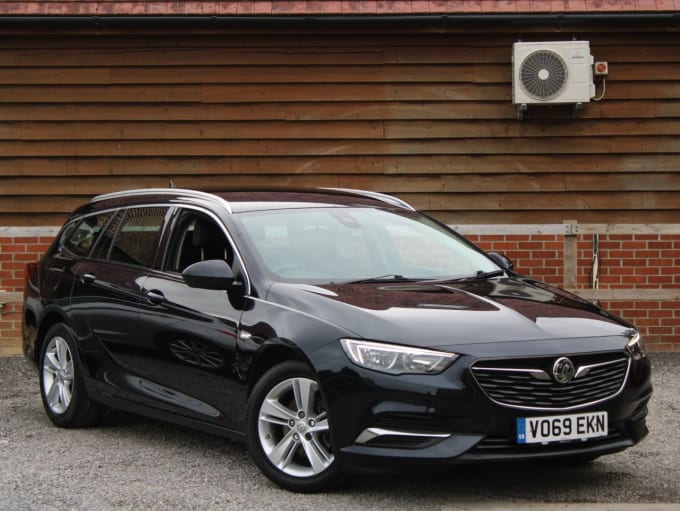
563, 370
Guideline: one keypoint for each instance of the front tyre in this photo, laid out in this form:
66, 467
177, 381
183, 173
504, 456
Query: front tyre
288, 430
61, 382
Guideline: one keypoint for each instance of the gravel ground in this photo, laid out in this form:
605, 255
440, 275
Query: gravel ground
135, 463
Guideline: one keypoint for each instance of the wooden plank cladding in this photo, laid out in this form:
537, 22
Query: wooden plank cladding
422, 112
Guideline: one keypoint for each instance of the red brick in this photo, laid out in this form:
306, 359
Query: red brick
645, 305
660, 261
420, 6
505, 245
655, 245
660, 313
362, 7
615, 270
255, 7
646, 254
530, 245
438, 6
27, 257
553, 245
287, 7
16, 248
658, 346
394, 7
519, 255
12, 284
227, 8
576, 5
659, 280
324, 7
612, 5
622, 254
532, 263
647, 322
551, 262
647, 271
665, 4
660, 330
633, 263
473, 5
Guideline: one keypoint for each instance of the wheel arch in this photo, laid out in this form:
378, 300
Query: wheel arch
270, 355
50, 319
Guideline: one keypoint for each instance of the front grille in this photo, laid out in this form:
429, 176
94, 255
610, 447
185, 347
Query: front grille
529, 383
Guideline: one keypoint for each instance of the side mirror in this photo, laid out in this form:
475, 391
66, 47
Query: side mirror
502, 261
210, 274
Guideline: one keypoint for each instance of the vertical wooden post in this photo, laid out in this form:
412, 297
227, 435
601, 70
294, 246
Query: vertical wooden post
570, 253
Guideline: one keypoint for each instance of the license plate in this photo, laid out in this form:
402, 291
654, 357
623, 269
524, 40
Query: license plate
557, 428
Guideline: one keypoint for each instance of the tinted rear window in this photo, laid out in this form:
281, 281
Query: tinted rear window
137, 238
80, 239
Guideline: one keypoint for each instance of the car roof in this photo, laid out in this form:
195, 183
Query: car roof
247, 199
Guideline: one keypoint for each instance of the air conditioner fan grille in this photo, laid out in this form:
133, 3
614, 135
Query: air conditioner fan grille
543, 74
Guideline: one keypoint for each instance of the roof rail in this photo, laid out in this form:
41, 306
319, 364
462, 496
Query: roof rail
166, 191
389, 199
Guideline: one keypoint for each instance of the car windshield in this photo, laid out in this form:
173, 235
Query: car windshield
345, 244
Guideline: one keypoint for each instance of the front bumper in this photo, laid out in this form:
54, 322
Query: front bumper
384, 423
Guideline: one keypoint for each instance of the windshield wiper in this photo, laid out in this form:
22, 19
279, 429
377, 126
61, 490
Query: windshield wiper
482, 275
390, 277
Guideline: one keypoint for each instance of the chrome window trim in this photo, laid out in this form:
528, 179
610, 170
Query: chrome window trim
176, 206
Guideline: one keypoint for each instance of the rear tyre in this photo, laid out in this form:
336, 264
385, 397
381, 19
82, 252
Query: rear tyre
61, 382
289, 432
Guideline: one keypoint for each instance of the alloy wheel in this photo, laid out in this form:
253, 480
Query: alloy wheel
57, 372
293, 428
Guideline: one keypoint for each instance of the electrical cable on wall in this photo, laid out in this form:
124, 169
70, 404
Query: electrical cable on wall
604, 90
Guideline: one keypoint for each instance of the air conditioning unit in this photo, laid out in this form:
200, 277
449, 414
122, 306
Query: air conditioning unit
556, 72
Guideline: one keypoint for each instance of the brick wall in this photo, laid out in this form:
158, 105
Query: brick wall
15, 252
639, 276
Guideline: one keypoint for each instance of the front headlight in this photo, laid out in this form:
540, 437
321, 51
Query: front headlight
635, 347
395, 359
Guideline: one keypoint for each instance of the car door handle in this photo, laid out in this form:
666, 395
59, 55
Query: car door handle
155, 297
87, 278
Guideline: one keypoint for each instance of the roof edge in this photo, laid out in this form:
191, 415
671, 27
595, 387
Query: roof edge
442, 20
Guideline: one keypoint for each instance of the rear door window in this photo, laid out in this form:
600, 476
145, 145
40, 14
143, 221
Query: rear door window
137, 237
82, 238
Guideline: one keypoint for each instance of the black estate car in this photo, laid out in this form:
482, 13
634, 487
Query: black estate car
336, 331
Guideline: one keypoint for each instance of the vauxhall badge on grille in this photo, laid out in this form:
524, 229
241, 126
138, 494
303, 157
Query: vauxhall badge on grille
563, 370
